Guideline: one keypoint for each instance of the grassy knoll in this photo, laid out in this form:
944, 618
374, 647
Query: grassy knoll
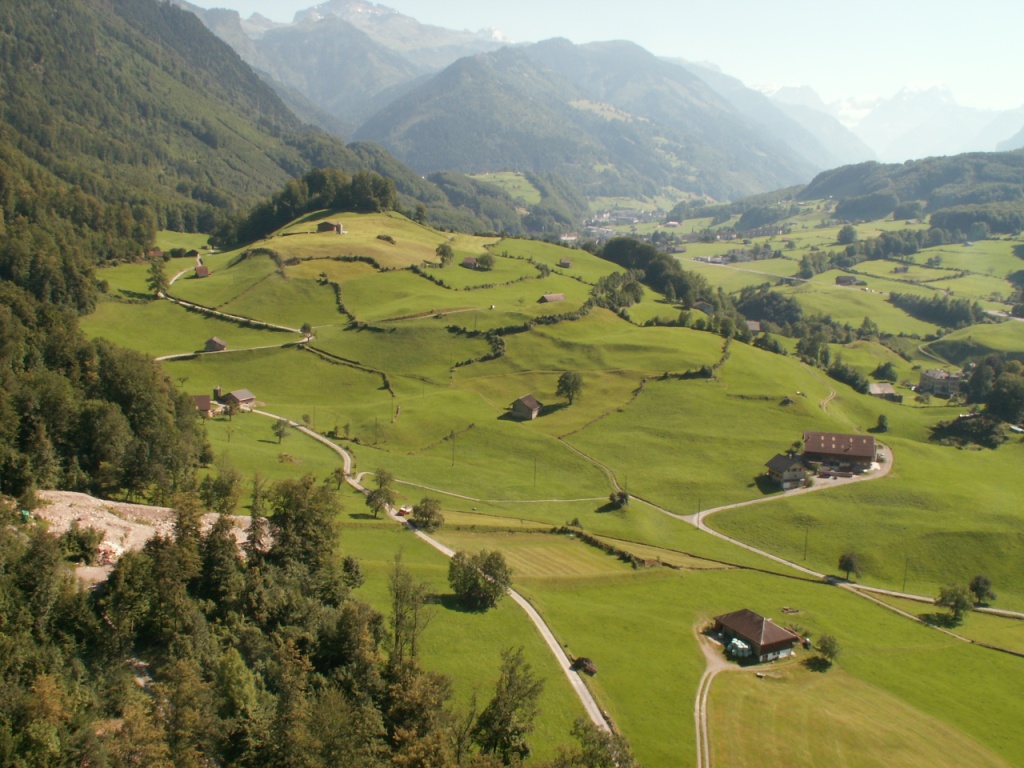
414, 243
505, 270
465, 645
782, 719
162, 328
225, 283
976, 342
865, 356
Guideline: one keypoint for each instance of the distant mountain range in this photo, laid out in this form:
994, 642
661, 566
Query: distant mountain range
365, 70
915, 123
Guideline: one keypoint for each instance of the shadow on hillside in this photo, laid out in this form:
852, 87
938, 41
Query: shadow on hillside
363, 516
608, 507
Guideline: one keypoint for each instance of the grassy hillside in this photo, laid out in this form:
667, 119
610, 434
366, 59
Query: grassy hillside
398, 378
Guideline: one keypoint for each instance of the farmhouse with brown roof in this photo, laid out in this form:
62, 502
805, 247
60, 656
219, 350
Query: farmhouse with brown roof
241, 398
755, 636
213, 344
565, 263
855, 452
526, 408
202, 270
330, 226
470, 262
885, 391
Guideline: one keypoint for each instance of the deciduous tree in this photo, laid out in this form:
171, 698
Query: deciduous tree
427, 514
981, 588
508, 718
479, 580
570, 386
956, 598
849, 562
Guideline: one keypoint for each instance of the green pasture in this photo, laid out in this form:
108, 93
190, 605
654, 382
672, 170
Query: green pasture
585, 266
464, 645
167, 240
852, 305
287, 301
514, 184
603, 341
247, 441
976, 342
617, 621
163, 328
505, 271
887, 269
941, 516
990, 291
653, 306
732, 278
991, 629
290, 383
783, 718
665, 444
988, 257
865, 356
225, 283
410, 352
539, 555
402, 295
127, 282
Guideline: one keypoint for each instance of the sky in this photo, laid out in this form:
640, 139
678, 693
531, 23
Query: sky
840, 48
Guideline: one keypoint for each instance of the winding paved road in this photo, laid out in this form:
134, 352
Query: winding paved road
582, 692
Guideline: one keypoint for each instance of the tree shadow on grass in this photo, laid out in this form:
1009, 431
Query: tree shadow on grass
362, 516
452, 603
941, 620
817, 664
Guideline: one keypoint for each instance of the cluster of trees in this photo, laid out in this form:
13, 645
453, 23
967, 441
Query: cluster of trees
998, 384
259, 657
659, 270
619, 290
87, 415
480, 579
322, 188
940, 309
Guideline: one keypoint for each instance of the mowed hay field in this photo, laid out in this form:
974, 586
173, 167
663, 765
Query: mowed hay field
396, 373
798, 717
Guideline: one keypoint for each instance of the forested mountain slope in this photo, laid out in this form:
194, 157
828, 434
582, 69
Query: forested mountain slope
609, 116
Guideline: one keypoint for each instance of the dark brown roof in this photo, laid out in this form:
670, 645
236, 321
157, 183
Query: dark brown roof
782, 463
202, 270
835, 444
202, 402
530, 402
751, 626
552, 297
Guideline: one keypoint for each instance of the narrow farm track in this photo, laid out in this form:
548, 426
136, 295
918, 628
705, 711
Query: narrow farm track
582, 692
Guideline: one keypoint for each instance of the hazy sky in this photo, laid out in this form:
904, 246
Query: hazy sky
841, 48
